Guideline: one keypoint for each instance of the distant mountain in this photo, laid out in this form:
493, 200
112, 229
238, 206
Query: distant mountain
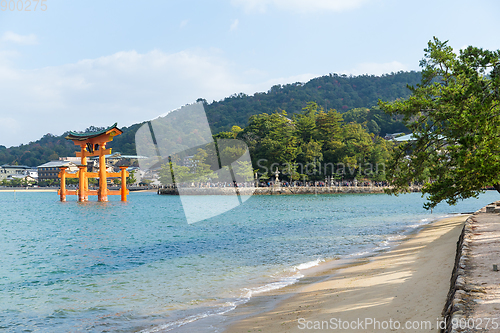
332, 91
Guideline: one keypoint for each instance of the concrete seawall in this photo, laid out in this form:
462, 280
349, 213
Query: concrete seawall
474, 287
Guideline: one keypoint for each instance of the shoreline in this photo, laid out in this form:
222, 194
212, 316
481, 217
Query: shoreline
38, 189
23, 189
277, 190
408, 282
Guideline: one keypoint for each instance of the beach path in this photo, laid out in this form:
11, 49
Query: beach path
404, 286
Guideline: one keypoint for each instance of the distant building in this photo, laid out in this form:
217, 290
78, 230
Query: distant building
9, 170
50, 170
404, 138
392, 136
25, 178
190, 162
113, 161
33, 173
73, 159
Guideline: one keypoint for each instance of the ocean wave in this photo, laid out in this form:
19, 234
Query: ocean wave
218, 310
246, 295
307, 265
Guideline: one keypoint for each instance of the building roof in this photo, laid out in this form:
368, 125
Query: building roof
55, 164
118, 155
407, 137
88, 135
134, 156
19, 176
410, 137
8, 166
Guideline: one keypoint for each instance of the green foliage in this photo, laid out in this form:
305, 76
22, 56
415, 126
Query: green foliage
271, 139
166, 174
244, 170
376, 121
236, 130
131, 178
313, 144
454, 114
198, 171
49, 182
16, 182
202, 170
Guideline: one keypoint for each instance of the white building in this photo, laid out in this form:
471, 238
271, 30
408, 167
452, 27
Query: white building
7, 170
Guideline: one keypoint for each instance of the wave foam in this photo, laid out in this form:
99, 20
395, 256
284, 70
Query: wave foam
307, 265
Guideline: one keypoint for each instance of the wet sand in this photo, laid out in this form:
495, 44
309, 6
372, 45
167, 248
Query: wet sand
404, 286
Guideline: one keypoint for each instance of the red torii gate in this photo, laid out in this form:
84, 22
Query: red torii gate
93, 144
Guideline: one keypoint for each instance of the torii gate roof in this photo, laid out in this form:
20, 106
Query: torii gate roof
89, 135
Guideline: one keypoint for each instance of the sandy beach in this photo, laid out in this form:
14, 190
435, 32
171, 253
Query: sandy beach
403, 289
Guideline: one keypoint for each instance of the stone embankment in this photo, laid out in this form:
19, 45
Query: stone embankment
275, 190
473, 303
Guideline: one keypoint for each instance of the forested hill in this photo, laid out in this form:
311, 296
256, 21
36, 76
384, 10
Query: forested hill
332, 91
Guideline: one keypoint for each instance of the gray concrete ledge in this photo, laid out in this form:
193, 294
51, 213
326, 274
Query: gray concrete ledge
473, 280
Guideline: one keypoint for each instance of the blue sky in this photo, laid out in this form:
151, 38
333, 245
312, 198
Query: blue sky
130, 61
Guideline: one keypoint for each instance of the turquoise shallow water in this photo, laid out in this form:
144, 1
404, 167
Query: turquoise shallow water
127, 267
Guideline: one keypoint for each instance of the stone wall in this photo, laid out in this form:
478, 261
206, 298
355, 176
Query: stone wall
464, 286
454, 305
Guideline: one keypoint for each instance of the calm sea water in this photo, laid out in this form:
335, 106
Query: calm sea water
138, 266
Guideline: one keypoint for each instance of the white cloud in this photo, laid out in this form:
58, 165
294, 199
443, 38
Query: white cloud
125, 87
373, 68
299, 5
234, 25
10, 36
9, 127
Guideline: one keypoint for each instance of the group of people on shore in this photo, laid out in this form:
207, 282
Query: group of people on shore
344, 183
